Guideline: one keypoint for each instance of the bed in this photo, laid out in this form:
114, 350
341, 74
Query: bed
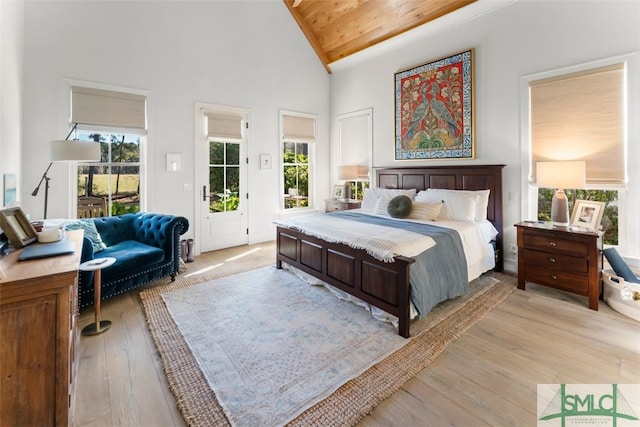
386, 285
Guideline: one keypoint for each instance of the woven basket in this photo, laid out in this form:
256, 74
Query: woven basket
613, 286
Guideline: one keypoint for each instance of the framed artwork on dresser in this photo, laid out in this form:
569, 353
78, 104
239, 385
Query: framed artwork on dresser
338, 192
587, 213
17, 227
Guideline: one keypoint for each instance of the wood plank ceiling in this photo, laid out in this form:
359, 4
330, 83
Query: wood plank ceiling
339, 28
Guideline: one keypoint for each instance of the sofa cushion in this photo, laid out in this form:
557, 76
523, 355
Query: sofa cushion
130, 255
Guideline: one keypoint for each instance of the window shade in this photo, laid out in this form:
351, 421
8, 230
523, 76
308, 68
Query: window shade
580, 116
297, 127
225, 126
108, 109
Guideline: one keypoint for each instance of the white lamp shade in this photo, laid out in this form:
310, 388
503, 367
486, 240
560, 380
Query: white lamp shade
363, 172
561, 175
349, 173
75, 151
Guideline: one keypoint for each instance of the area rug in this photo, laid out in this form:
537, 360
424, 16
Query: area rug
210, 339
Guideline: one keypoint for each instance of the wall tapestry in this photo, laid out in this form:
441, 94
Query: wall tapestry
434, 103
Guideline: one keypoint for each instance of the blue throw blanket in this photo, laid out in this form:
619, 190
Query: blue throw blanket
439, 273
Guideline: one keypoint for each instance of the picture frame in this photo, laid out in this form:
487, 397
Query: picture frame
10, 184
17, 227
434, 109
587, 213
338, 191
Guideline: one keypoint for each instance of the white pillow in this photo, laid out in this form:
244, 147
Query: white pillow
482, 202
382, 205
371, 196
425, 211
457, 205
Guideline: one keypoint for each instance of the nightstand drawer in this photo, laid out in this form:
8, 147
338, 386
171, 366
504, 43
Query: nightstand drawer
340, 205
553, 244
333, 205
559, 279
552, 260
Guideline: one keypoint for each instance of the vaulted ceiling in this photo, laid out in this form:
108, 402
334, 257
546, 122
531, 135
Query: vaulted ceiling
339, 28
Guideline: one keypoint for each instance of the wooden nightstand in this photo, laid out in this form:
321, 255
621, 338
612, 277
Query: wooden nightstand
560, 257
331, 205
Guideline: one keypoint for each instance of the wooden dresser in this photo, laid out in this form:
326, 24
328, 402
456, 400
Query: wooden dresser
38, 313
560, 257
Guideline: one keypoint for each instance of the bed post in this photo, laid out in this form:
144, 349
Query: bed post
404, 294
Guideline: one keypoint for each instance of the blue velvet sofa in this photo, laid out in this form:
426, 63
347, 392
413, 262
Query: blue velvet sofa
146, 247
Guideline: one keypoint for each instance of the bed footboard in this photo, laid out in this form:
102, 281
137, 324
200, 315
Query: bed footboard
381, 284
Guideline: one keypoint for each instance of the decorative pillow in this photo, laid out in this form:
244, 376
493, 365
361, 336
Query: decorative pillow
482, 202
382, 206
90, 232
620, 266
399, 206
371, 196
457, 205
425, 211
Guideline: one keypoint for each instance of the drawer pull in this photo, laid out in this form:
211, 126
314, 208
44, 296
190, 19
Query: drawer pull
552, 244
552, 260
554, 277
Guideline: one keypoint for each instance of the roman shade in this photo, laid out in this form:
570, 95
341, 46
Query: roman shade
580, 116
298, 127
224, 125
105, 108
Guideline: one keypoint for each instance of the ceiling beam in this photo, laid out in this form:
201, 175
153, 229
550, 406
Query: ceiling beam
306, 30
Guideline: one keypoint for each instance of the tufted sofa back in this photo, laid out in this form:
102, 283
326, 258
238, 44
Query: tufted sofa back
116, 229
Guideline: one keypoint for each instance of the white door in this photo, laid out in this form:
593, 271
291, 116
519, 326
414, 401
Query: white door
223, 194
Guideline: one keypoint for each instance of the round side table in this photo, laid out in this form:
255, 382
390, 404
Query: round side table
97, 265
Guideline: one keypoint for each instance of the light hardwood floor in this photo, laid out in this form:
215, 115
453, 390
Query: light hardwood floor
488, 377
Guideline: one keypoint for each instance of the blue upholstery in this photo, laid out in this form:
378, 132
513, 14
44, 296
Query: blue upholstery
146, 247
619, 265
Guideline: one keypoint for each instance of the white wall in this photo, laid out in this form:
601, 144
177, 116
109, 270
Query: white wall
520, 38
248, 54
11, 84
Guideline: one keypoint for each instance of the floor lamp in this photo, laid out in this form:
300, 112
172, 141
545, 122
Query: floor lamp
67, 151
560, 175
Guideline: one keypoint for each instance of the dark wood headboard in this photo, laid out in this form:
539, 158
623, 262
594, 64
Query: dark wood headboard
472, 177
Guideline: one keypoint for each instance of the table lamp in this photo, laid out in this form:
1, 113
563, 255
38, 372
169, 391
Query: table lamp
560, 175
348, 173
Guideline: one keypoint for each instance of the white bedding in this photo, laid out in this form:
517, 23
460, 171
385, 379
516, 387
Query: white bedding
383, 243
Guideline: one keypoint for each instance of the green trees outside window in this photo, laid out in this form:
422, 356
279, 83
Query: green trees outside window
295, 160
224, 176
609, 221
117, 176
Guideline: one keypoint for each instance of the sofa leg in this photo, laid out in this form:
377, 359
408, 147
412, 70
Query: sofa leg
173, 277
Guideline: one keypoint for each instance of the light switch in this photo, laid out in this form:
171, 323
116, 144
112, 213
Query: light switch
174, 162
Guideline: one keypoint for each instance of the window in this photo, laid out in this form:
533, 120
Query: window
356, 145
224, 176
115, 179
609, 221
224, 133
118, 121
298, 137
295, 161
581, 116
